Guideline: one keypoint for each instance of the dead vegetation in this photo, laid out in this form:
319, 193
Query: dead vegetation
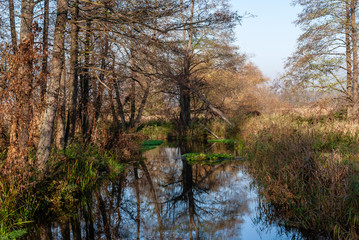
307, 170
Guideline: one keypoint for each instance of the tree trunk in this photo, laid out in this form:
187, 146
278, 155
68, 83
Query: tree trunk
85, 84
113, 111
120, 105
185, 81
19, 135
100, 87
355, 57
45, 42
348, 47
52, 93
61, 114
132, 102
72, 112
185, 106
142, 106
12, 26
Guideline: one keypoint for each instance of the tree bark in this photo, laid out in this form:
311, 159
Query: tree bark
100, 87
113, 111
61, 114
85, 84
349, 61
72, 112
142, 105
52, 93
120, 105
185, 106
12, 26
45, 42
355, 56
132, 102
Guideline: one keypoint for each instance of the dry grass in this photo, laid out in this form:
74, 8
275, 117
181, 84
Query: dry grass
308, 171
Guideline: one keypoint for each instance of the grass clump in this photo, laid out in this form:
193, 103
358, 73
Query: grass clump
150, 144
226, 141
308, 172
17, 207
206, 159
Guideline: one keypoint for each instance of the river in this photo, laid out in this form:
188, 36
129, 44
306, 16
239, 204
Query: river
162, 196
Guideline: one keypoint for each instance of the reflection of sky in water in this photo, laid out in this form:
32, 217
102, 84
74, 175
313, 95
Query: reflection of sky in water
224, 211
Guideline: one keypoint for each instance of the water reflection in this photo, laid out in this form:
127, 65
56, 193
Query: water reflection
163, 197
197, 201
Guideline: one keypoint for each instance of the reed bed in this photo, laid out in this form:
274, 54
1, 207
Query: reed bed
308, 171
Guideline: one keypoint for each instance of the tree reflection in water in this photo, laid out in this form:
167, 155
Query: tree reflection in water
159, 197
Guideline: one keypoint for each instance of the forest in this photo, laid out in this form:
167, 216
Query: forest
120, 117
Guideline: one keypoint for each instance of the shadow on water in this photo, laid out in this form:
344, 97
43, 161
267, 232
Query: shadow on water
164, 197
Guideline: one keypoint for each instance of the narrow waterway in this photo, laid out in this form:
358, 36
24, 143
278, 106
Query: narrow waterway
163, 196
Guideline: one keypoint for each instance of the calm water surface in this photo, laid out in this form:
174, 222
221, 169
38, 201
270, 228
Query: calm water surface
163, 196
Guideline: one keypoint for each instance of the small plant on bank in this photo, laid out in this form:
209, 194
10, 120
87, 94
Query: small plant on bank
150, 144
206, 159
226, 141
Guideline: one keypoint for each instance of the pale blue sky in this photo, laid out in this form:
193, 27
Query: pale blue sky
270, 37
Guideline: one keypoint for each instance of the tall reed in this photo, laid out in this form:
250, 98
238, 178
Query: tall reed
308, 172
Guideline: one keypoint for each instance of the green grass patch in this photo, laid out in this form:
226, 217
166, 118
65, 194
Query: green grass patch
226, 141
17, 207
150, 144
207, 159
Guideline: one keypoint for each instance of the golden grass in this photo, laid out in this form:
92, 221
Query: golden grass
307, 170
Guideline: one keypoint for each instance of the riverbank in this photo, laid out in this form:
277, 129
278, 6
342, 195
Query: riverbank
75, 173
307, 170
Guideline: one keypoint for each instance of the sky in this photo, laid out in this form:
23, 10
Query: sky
270, 37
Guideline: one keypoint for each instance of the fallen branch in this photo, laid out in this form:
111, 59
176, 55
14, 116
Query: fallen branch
210, 106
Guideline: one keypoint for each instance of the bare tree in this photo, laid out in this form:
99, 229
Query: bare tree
52, 94
327, 53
